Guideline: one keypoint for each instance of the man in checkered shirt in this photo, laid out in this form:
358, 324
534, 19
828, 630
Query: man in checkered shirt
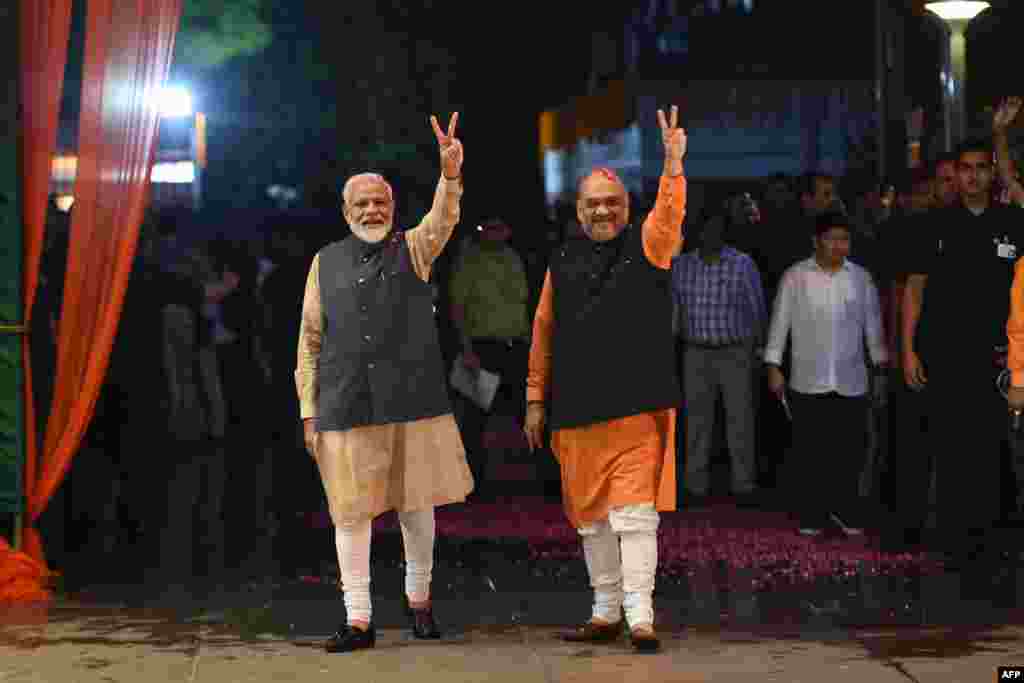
721, 318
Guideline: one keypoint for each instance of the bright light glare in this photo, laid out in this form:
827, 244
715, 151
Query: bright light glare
177, 172
64, 168
957, 10
175, 102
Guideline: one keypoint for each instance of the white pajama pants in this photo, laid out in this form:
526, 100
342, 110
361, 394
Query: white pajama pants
622, 557
353, 542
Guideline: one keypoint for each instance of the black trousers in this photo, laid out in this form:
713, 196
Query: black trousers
242, 383
829, 446
908, 476
194, 529
967, 430
509, 360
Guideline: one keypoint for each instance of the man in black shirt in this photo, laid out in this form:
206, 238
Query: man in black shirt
907, 467
954, 318
786, 237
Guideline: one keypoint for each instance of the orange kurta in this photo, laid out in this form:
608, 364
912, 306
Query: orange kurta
628, 460
1015, 327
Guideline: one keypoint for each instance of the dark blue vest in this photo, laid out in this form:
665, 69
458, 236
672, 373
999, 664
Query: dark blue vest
380, 361
613, 354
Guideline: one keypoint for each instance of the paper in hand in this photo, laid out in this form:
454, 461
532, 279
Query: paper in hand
479, 387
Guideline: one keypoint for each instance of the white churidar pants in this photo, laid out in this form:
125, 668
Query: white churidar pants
353, 542
622, 557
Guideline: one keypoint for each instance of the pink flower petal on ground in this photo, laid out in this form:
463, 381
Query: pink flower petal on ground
765, 544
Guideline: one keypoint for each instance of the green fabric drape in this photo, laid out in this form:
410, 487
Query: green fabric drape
12, 337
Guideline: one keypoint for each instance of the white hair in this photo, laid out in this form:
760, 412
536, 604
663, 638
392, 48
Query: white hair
346, 192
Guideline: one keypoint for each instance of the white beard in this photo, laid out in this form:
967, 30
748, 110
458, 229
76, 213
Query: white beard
371, 234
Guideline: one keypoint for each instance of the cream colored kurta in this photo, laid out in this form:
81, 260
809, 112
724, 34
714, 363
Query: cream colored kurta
402, 466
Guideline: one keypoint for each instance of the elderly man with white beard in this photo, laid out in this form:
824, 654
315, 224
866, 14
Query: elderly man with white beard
371, 385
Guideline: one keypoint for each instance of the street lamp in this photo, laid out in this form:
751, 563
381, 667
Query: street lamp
957, 14
175, 102
177, 108
957, 10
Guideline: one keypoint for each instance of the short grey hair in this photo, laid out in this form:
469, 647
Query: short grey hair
346, 191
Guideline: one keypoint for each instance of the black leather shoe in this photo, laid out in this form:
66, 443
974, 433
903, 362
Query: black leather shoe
645, 641
592, 632
349, 639
422, 621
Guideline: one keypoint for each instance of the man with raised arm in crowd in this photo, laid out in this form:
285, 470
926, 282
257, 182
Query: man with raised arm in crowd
371, 385
602, 363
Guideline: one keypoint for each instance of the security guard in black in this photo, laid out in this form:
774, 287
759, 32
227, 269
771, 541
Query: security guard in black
968, 256
969, 260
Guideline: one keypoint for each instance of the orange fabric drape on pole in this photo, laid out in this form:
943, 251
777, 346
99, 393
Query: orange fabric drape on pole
43, 31
128, 48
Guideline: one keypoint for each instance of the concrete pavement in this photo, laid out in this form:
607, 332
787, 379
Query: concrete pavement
80, 643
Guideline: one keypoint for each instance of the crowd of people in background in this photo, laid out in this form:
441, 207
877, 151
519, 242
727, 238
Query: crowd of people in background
198, 431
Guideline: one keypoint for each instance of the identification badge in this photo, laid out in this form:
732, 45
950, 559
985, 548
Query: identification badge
1007, 251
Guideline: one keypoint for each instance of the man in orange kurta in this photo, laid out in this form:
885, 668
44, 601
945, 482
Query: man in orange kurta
1015, 359
602, 363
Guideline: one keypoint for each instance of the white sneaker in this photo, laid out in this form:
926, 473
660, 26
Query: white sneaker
848, 530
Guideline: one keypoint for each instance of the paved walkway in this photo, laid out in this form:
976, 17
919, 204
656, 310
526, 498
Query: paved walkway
76, 643
500, 607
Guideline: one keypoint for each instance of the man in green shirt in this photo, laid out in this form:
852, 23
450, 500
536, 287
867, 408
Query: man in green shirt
489, 295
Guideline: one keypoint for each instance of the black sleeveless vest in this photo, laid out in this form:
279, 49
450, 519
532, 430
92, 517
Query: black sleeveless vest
380, 361
613, 354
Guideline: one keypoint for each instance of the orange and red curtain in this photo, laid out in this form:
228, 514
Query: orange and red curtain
128, 50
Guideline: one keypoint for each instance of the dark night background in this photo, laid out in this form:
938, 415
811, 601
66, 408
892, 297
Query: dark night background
304, 94
339, 88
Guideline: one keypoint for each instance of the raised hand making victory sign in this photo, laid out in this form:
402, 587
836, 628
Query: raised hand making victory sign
451, 148
673, 136
377, 280
611, 444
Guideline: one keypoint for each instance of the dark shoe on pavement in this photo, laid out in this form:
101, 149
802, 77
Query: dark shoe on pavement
349, 639
422, 622
594, 632
644, 640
